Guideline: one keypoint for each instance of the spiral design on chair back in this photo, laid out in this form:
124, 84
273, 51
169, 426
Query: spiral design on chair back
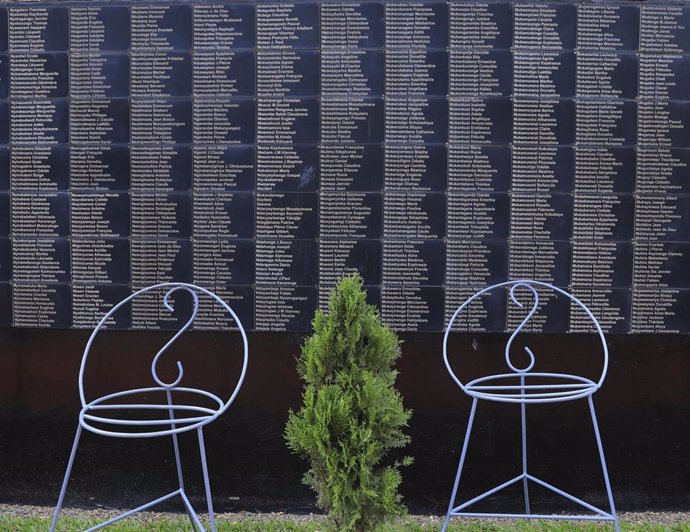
192, 317
532, 286
535, 305
195, 292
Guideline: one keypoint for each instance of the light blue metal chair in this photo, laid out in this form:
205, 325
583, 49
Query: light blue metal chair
522, 386
107, 411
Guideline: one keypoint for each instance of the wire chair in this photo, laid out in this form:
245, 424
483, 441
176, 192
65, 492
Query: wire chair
522, 386
173, 418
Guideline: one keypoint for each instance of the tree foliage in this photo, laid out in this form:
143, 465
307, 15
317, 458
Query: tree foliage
352, 415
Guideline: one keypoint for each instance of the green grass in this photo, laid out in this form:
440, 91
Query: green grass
11, 524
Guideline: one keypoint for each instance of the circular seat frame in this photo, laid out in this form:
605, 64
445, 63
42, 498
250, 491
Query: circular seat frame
483, 388
87, 414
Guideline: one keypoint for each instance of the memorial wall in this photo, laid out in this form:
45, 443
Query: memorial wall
264, 149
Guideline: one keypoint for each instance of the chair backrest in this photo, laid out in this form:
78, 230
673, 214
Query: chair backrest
532, 287
171, 288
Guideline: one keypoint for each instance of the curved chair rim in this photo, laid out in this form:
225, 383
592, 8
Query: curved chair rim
177, 425
224, 406
550, 392
487, 289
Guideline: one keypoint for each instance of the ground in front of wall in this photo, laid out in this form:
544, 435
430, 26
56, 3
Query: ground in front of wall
14, 517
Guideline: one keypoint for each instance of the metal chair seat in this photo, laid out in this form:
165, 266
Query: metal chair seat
517, 388
173, 418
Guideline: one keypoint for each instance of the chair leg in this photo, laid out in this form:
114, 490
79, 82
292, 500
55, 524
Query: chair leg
178, 460
207, 485
603, 464
70, 463
524, 455
176, 447
462, 462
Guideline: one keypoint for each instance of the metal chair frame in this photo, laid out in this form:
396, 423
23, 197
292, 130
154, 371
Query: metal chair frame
567, 388
95, 411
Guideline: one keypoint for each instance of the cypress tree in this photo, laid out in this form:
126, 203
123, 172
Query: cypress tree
352, 415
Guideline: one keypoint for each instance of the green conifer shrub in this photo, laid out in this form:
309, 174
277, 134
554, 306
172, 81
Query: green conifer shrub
352, 415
